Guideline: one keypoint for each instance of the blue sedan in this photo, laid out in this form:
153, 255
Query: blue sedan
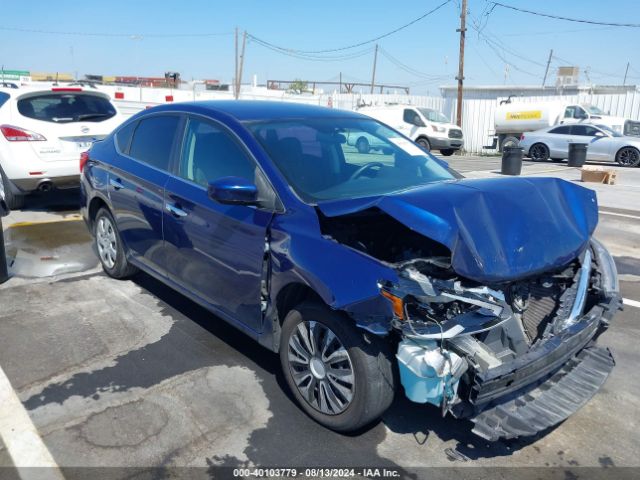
367, 272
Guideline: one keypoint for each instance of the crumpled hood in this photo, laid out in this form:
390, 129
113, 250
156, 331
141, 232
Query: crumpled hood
499, 229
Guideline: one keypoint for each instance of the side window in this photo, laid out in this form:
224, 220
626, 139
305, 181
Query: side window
3, 98
210, 153
124, 135
569, 111
153, 139
584, 130
411, 117
561, 130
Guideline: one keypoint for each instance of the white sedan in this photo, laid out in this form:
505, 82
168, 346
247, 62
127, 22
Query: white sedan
603, 144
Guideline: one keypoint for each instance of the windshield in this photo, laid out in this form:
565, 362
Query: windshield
67, 107
433, 115
328, 159
609, 130
594, 110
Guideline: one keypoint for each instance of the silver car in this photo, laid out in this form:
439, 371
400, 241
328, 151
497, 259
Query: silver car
603, 144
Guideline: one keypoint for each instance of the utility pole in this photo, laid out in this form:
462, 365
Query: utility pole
235, 75
624, 82
460, 77
244, 42
375, 59
546, 71
340, 91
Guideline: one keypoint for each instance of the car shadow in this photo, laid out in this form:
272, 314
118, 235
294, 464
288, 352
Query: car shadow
403, 417
55, 201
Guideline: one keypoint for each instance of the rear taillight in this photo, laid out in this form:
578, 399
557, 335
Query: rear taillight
17, 134
84, 158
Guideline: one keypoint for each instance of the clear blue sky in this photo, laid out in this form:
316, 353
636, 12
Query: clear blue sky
429, 46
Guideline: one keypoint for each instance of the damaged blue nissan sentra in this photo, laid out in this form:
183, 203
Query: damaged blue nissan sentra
365, 271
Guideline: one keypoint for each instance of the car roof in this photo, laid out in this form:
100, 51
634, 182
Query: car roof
260, 110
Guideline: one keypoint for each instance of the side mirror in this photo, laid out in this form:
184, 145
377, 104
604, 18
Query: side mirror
233, 191
417, 121
600, 134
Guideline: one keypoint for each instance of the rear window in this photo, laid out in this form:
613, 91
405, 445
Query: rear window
153, 139
66, 107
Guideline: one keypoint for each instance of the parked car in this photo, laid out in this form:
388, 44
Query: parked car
44, 131
486, 294
513, 119
603, 144
427, 127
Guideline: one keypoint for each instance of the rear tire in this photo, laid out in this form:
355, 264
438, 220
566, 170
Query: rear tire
424, 143
110, 248
448, 152
628, 157
341, 379
13, 201
362, 145
539, 152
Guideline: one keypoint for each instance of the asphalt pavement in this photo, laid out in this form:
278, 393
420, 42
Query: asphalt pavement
131, 374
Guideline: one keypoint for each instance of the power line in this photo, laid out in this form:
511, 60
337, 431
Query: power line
568, 19
113, 35
408, 69
355, 45
312, 57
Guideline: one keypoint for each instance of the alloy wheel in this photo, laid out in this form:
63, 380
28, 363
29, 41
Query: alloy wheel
539, 152
321, 368
106, 242
628, 157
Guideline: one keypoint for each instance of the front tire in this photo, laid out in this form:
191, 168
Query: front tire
362, 145
447, 152
539, 152
110, 248
628, 157
424, 143
340, 379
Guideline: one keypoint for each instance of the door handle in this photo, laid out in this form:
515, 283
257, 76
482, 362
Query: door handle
117, 184
174, 210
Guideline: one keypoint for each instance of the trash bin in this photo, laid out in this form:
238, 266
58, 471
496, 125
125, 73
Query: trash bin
511, 160
577, 154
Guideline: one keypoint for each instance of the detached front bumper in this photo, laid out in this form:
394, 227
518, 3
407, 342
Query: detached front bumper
537, 388
548, 384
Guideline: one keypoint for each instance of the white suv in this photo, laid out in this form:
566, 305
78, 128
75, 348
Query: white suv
43, 132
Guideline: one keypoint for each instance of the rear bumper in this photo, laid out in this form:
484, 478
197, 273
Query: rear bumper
26, 185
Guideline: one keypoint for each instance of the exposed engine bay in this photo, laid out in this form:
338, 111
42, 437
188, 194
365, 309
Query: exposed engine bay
516, 357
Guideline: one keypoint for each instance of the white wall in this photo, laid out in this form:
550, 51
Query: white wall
478, 113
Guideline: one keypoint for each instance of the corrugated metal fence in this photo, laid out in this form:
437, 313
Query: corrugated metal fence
478, 112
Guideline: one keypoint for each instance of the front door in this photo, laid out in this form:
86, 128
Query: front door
215, 251
599, 145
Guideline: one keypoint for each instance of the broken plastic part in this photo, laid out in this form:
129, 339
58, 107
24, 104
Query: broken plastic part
428, 373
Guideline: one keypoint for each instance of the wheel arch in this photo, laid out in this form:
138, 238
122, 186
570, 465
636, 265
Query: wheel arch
95, 205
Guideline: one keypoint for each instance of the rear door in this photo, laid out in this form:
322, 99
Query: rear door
136, 185
216, 251
598, 147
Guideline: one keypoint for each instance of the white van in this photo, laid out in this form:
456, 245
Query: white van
427, 127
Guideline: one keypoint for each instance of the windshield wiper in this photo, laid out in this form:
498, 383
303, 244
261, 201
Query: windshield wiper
85, 116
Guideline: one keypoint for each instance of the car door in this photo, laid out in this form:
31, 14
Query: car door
215, 251
136, 187
558, 141
599, 145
